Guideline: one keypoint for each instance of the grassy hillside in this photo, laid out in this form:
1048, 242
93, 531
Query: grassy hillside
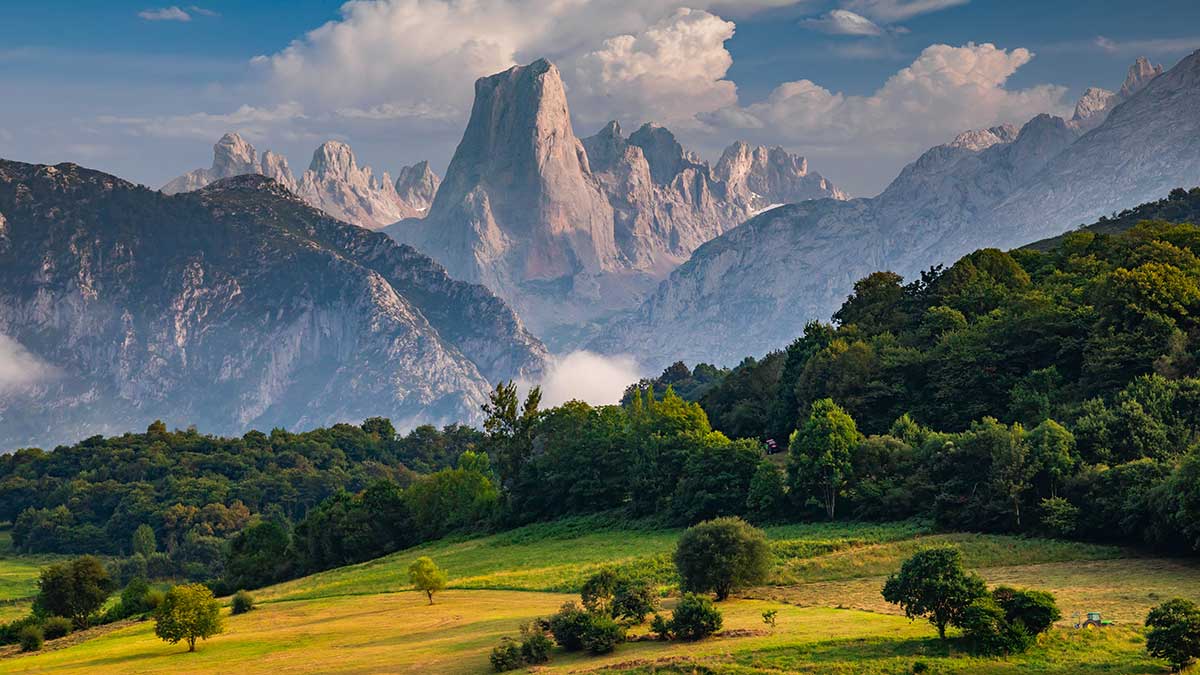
825, 586
18, 578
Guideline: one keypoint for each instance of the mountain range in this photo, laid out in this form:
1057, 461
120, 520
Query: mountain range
571, 230
333, 182
753, 288
234, 306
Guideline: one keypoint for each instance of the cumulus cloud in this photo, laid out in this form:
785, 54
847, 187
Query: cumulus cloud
20, 368
171, 13
945, 90
588, 377
889, 11
843, 22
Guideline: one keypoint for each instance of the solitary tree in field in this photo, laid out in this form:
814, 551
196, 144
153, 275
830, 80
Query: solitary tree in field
722, 555
1174, 632
819, 453
426, 576
75, 589
933, 584
187, 613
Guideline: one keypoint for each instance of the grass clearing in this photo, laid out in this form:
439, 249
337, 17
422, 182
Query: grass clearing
18, 578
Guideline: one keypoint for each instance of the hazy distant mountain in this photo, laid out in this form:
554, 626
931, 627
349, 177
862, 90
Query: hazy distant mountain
231, 307
754, 288
570, 230
333, 182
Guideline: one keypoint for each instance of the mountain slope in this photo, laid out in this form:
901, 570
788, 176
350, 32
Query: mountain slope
753, 289
234, 306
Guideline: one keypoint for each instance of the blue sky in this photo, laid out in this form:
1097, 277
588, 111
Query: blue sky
127, 87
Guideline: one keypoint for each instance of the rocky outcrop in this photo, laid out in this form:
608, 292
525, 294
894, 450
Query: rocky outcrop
231, 307
333, 182
570, 231
1094, 106
753, 288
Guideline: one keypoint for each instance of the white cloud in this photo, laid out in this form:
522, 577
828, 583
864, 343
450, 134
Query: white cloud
668, 73
588, 377
945, 90
171, 13
889, 11
203, 11
247, 119
20, 368
1148, 46
844, 22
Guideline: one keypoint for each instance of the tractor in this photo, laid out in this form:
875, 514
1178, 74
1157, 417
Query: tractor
1094, 620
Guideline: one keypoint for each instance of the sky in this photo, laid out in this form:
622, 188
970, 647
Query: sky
860, 87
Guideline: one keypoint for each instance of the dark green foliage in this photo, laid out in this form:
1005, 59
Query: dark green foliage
506, 655
535, 644
633, 600
348, 528
75, 589
819, 455
716, 478
259, 556
694, 618
1174, 632
766, 500
722, 555
31, 638
933, 584
1036, 611
144, 543
242, 602
136, 599
660, 627
987, 630
568, 626
55, 627
691, 385
601, 634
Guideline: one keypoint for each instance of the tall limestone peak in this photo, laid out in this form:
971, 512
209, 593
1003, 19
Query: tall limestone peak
233, 156
336, 184
762, 176
662, 150
416, 186
275, 166
1140, 74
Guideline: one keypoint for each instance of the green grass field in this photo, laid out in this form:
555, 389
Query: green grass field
825, 586
18, 578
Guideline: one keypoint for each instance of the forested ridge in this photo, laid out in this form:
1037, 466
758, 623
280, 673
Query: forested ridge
1050, 392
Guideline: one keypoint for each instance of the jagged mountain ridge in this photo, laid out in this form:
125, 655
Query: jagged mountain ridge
753, 289
333, 182
231, 307
570, 230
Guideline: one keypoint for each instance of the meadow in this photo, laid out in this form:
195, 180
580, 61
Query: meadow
825, 587
18, 578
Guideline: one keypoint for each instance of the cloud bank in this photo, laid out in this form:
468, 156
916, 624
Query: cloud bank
19, 368
588, 377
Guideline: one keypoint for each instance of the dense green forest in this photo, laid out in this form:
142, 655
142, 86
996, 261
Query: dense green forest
1036, 391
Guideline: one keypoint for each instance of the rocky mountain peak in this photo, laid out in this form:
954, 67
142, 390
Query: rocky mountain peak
334, 158
416, 185
978, 140
662, 151
233, 156
1095, 101
1140, 74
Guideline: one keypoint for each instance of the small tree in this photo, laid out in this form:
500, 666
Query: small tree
75, 589
1036, 611
31, 638
242, 602
722, 555
933, 584
188, 612
426, 576
1174, 632
695, 617
144, 543
819, 453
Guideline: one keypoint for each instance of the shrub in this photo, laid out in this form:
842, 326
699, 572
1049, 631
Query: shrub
660, 627
55, 627
769, 616
1035, 610
535, 644
1174, 632
722, 555
920, 667
988, 631
242, 602
568, 626
133, 599
695, 617
602, 634
31, 638
597, 592
933, 584
633, 600
506, 655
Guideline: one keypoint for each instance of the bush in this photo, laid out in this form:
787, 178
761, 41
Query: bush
695, 617
242, 602
133, 600
10, 633
598, 591
633, 600
568, 626
602, 634
55, 627
1174, 632
920, 667
1035, 610
660, 627
506, 655
988, 631
722, 555
535, 644
75, 589
31, 638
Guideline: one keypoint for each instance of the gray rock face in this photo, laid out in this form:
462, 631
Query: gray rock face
753, 288
231, 307
571, 231
333, 182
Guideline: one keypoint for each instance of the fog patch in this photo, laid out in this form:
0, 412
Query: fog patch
586, 376
20, 368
